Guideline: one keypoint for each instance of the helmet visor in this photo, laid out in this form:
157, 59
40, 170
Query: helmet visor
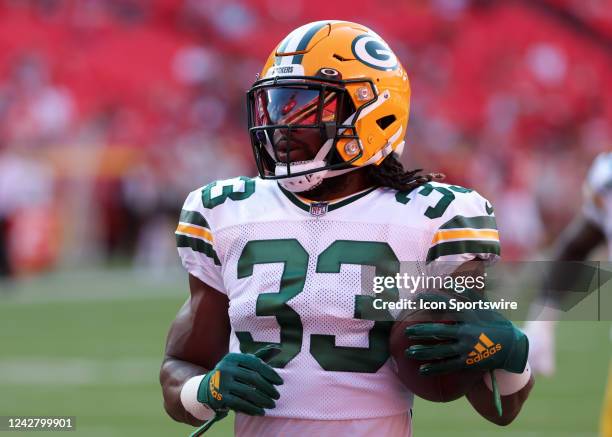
294, 106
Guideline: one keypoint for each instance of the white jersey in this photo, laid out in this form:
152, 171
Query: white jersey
388, 426
291, 271
598, 195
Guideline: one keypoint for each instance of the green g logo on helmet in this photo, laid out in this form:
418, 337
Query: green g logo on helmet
374, 52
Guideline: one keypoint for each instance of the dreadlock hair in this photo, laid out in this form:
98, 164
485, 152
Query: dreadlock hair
391, 173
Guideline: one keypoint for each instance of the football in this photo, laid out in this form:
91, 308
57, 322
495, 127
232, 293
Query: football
436, 388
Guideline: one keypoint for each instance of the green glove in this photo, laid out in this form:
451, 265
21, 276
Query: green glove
483, 340
242, 382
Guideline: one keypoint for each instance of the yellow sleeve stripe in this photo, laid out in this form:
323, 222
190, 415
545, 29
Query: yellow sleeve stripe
456, 234
194, 231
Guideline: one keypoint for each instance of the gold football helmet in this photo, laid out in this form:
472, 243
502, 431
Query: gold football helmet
334, 80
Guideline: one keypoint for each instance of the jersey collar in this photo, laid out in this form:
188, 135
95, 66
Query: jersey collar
306, 204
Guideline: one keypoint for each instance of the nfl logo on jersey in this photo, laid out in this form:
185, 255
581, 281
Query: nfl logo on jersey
318, 208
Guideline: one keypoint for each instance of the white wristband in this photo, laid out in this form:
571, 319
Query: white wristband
508, 382
189, 399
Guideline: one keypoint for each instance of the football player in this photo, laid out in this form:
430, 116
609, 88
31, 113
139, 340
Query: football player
587, 231
277, 327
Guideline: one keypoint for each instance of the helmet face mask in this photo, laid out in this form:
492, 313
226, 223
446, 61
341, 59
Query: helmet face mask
333, 98
284, 112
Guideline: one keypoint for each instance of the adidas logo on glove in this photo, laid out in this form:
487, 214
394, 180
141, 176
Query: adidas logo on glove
214, 384
483, 349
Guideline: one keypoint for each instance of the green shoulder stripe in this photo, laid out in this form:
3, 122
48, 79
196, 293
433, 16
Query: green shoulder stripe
198, 246
479, 222
193, 218
460, 247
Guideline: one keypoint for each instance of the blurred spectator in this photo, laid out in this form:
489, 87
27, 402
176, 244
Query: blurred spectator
26, 196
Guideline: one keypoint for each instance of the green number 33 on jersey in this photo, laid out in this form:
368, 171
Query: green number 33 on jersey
440, 207
216, 193
322, 347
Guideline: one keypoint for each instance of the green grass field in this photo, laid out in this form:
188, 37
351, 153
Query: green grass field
89, 344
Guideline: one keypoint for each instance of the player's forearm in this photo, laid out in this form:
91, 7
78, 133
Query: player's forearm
481, 398
575, 244
577, 241
173, 375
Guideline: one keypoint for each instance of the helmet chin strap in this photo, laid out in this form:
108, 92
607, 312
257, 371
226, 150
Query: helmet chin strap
297, 184
306, 182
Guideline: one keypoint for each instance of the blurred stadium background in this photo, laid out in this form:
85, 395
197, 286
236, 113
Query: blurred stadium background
111, 111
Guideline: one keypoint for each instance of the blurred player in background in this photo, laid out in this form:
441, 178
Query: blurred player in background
327, 123
27, 223
590, 229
